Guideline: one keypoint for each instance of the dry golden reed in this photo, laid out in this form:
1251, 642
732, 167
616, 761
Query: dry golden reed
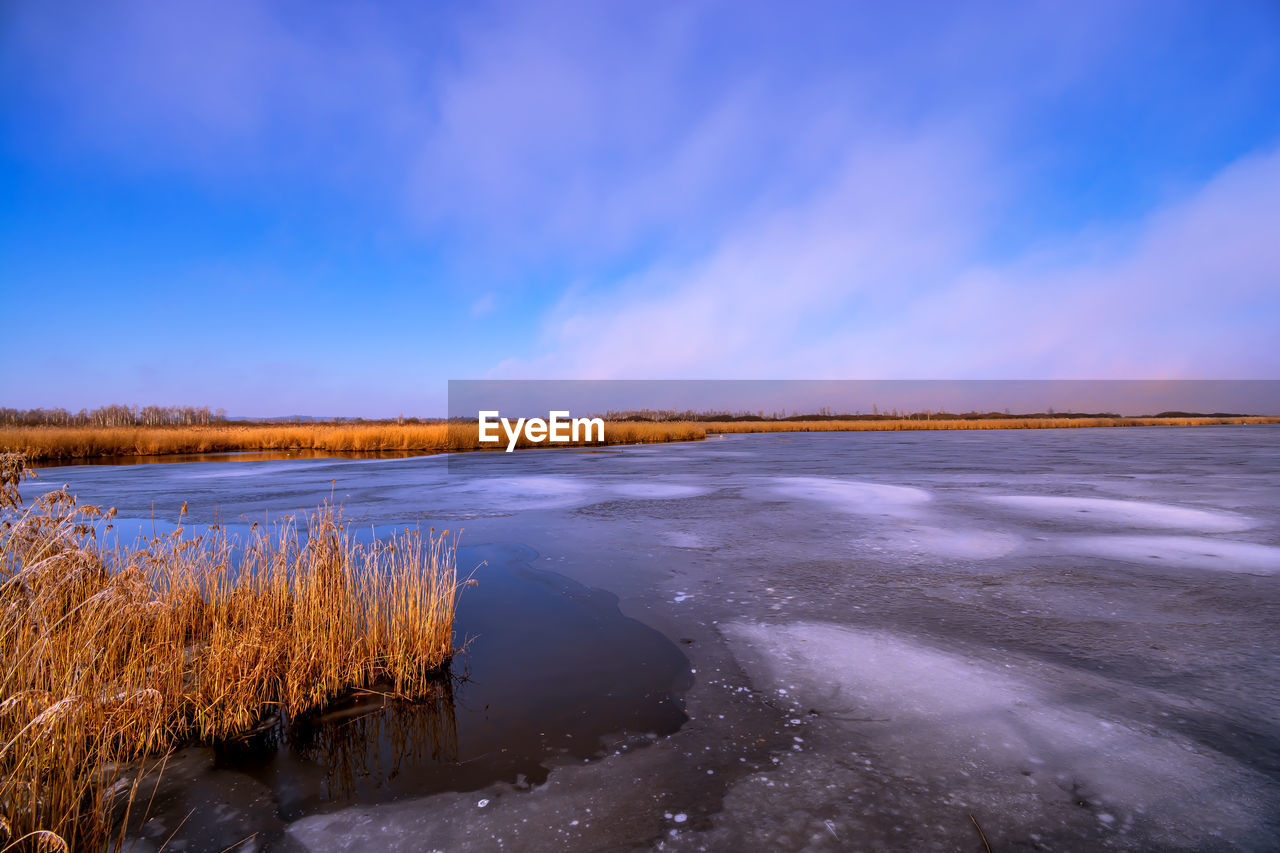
112, 655
53, 443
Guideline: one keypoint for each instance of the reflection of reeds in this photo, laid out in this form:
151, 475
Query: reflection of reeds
378, 735
110, 656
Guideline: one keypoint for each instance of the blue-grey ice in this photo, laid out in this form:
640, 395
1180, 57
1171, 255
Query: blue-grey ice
1189, 552
1124, 513
852, 495
1069, 635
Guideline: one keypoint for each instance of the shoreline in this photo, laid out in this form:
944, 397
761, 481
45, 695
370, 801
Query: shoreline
47, 445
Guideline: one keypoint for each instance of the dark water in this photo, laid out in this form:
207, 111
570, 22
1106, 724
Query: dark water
551, 672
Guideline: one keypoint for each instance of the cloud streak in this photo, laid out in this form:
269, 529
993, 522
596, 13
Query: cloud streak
870, 281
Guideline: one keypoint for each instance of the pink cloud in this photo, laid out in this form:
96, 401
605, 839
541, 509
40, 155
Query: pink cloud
861, 282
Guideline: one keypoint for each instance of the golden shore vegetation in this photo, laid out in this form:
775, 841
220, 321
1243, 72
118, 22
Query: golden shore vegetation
55, 443
51, 443
113, 656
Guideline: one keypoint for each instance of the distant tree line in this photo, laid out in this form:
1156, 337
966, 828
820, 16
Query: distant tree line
313, 419
133, 416
114, 416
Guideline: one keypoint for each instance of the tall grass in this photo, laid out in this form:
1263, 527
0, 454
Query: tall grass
51, 444
42, 444
111, 655
47, 443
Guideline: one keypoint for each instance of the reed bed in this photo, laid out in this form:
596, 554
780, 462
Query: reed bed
112, 656
53, 443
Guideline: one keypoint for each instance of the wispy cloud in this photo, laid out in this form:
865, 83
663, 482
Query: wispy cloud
484, 305
872, 281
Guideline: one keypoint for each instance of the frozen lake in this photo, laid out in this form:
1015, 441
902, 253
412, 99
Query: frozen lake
1071, 635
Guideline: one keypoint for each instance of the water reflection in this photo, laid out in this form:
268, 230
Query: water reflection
552, 672
358, 741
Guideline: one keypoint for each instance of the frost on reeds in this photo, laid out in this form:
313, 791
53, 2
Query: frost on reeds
112, 656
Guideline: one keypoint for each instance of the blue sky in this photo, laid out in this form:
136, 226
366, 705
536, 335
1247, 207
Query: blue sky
286, 208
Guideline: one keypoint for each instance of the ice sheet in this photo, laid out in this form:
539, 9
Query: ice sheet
852, 495
952, 716
961, 542
1106, 511
1196, 552
655, 491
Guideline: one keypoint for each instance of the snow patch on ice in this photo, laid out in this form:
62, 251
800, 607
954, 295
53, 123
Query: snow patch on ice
958, 544
530, 492
852, 495
1183, 552
553, 492
948, 714
1127, 513
656, 491
683, 539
